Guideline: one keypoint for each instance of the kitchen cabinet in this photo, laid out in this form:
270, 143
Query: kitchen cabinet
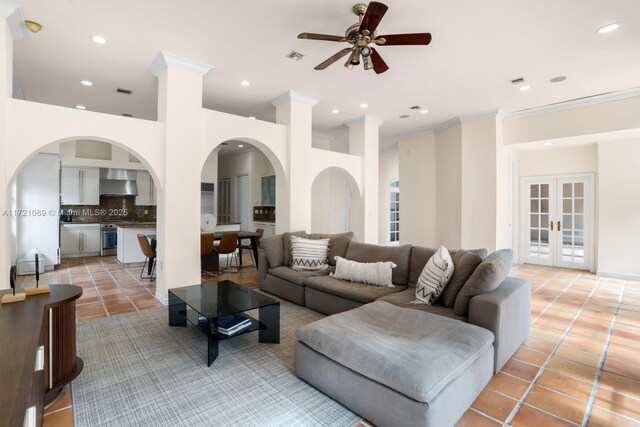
129, 252
79, 186
79, 240
146, 189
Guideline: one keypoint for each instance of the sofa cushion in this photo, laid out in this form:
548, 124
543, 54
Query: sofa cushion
286, 245
309, 254
399, 255
370, 273
339, 244
406, 297
273, 250
465, 263
486, 278
350, 290
420, 255
412, 352
297, 277
434, 277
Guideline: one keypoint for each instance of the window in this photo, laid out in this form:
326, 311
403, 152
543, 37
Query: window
394, 212
224, 201
269, 190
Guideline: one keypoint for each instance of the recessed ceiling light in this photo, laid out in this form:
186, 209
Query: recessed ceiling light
252, 118
245, 83
86, 82
424, 111
608, 28
99, 39
548, 143
523, 88
240, 146
558, 79
81, 107
334, 111
364, 105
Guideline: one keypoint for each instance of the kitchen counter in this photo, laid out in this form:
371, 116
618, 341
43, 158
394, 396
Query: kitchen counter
137, 225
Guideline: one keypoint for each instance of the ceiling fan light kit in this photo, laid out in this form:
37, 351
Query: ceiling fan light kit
363, 33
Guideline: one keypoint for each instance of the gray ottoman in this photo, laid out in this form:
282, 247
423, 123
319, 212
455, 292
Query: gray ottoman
394, 366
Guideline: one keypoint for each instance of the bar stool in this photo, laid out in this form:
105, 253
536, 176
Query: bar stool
149, 253
228, 245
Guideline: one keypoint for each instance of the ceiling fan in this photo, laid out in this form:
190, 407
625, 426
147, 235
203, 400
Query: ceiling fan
361, 34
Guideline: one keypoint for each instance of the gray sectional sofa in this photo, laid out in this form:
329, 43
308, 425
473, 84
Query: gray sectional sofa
428, 362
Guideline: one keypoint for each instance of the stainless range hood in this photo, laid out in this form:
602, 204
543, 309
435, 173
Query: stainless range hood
118, 182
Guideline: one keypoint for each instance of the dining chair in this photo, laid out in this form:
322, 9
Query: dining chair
228, 246
243, 246
149, 253
206, 249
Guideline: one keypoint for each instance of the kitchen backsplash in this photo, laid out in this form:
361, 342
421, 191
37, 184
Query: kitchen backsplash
111, 208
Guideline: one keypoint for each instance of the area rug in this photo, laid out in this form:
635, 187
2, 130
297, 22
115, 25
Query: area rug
138, 371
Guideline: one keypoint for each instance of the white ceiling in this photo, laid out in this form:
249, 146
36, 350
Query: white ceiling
477, 48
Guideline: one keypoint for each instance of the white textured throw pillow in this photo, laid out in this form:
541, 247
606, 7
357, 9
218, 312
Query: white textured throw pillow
434, 277
309, 254
370, 273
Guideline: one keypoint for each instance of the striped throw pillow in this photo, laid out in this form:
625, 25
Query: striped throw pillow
309, 254
434, 277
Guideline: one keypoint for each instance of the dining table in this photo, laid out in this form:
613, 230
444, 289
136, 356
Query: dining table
252, 236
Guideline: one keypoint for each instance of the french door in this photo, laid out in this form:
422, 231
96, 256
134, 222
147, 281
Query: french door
558, 221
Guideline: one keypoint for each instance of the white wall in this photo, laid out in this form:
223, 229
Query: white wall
448, 187
330, 211
389, 170
417, 173
619, 224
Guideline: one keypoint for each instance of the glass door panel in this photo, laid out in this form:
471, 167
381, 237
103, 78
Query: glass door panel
538, 239
573, 219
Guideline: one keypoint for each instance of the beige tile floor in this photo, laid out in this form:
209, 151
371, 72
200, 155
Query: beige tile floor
579, 365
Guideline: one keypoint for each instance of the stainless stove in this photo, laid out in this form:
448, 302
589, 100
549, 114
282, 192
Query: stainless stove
109, 237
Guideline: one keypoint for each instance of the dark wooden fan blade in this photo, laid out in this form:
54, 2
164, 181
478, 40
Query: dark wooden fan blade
379, 66
334, 58
406, 39
373, 16
324, 37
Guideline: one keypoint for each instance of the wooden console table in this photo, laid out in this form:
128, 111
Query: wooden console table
37, 353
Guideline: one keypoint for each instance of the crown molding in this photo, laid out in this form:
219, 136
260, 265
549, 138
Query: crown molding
291, 96
365, 119
15, 19
406, 136
494, 112
575, 103
166, 59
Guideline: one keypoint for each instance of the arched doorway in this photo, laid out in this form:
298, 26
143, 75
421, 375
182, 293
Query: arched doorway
335, 202
61, 188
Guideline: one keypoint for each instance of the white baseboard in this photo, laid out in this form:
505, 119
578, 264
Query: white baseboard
618, 275
161, 298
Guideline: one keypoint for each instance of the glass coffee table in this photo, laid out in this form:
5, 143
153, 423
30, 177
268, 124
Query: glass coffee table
204, 305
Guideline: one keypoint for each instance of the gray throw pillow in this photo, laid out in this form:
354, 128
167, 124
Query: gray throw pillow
286, 241
464, 263
487, 277
273, 250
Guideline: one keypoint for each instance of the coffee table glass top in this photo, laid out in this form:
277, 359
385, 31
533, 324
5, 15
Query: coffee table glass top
218, 299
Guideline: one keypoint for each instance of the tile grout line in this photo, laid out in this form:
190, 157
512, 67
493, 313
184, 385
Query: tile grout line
556, 298
596, 383
104, 306
545, 283
139, 282
555, 349
118, 285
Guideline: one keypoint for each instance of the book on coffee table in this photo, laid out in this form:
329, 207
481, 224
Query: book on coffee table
229, 325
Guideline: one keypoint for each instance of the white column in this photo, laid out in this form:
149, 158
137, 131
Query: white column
364, 142
294, 111
178, 229
11, 28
